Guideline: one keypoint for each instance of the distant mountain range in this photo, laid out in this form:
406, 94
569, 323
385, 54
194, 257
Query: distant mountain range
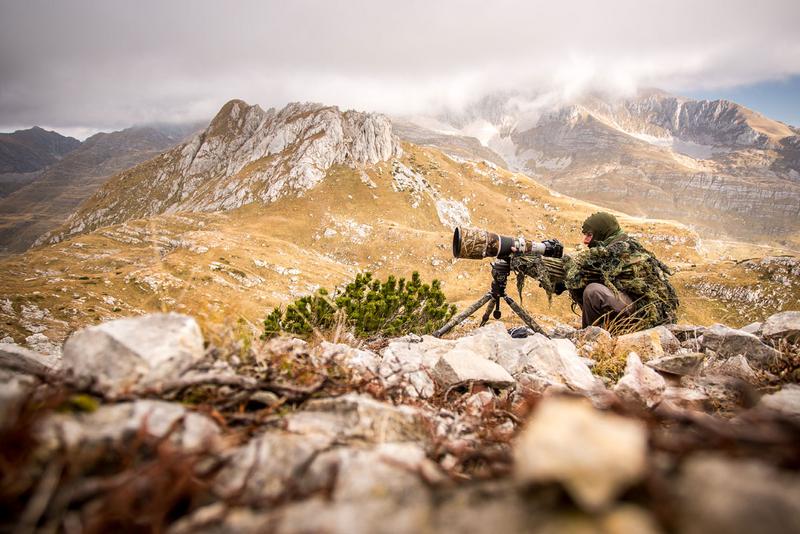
724, 169
54, 192
30, 150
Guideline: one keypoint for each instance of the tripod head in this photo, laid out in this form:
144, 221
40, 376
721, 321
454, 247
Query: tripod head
501, 268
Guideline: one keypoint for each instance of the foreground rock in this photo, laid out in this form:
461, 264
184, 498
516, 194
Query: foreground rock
786, 401
536, 363
648, 344
784, 325
595, 455
678, 364
119, 356
737, 496
115, 424
22, 360
461, 366
298, 437
728, 342
640, 384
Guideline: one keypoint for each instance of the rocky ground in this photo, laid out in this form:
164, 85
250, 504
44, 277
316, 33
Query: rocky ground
142, 424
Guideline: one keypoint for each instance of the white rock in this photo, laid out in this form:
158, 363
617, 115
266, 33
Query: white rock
787, 400
594, 454
138, 352
556, 362
784, 325
735, 366
22, 360
359, 418
264, 466
116, 424
461, 365
728, 342
363, 363
407, 363
640, 384
648, 344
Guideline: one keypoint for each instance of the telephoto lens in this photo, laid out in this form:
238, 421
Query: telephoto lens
476, 244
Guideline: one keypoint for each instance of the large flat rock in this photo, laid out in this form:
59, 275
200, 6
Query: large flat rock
134, 353
594, 454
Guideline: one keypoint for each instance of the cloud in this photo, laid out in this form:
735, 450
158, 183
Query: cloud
111, 63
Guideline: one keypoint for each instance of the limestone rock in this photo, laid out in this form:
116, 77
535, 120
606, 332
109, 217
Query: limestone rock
640, 384
727, 342
22, 360
678, 364
725, 393
363, 363
648, 344
736, 496
116, 424
355, 417
786, 401
462, 365
735, 366
784, 325
590, 334
753, 328
685, 398
407, 363
14, 388
137, 352
595, 455
263, 467
686, 332
553, 362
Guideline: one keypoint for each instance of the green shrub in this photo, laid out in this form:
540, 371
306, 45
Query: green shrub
368, 306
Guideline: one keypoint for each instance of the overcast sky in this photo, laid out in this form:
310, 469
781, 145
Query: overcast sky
80, 66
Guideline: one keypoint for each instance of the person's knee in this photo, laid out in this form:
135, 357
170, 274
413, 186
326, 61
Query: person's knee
593, 295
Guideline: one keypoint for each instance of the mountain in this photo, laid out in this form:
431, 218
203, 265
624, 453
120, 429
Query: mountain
30, 150
245, 155
266, 206
718, 166
46, 202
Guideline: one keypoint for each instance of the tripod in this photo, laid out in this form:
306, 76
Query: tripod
501, 268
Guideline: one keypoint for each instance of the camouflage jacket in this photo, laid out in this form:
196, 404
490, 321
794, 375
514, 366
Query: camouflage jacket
623, 264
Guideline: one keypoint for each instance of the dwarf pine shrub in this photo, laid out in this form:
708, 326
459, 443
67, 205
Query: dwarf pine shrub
369, 307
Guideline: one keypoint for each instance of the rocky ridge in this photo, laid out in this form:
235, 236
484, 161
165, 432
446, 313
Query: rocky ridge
653, 155
697, 433
246, 155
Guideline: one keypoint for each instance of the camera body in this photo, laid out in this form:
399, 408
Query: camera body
476, 244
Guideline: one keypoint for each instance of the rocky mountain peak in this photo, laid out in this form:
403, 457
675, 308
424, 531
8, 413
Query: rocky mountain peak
245, 155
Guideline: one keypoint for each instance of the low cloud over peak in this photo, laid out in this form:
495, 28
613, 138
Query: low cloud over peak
108, 64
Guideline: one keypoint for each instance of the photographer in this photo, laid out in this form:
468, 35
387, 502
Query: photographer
617, 283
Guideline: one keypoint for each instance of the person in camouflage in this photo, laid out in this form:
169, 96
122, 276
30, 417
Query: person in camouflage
617, 283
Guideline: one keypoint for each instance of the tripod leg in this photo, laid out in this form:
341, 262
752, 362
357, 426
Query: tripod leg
463, 315
527, 319
495, 303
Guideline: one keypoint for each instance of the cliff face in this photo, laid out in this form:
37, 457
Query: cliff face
246, 155
714, 164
